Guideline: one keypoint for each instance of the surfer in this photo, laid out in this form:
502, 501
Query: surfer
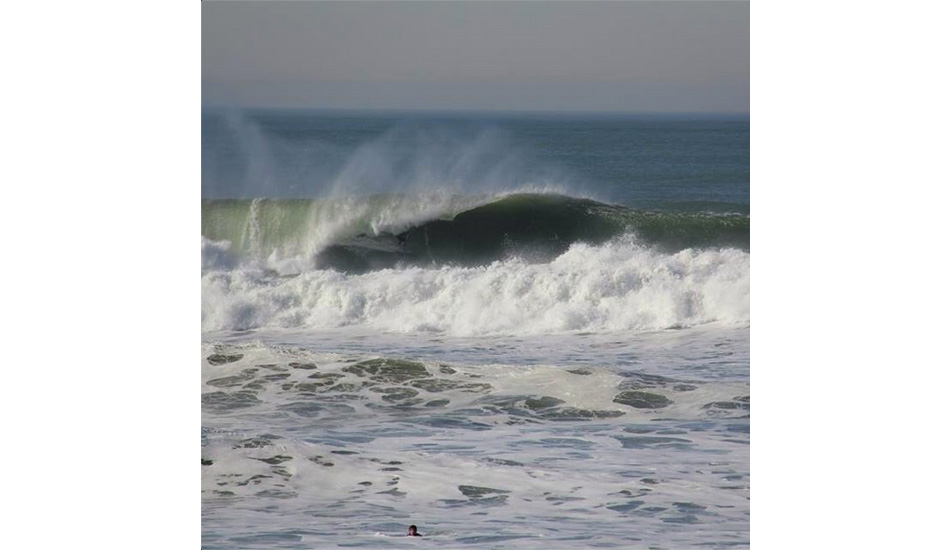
413, 532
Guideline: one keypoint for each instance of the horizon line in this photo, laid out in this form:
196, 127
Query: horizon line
460, 111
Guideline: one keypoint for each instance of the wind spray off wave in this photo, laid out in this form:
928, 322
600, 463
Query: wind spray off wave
466, 318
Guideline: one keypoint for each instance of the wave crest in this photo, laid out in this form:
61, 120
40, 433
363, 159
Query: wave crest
360, 234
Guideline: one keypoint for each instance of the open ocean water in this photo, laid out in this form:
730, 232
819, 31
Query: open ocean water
512, 331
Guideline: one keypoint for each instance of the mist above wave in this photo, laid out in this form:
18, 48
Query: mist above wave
300, 155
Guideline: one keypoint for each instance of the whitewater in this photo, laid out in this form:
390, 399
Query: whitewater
616, 286
514, 333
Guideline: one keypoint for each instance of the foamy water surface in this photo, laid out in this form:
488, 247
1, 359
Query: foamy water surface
402, 325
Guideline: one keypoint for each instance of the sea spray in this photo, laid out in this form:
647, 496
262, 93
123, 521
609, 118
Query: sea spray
433, 322
618, 285
257, 154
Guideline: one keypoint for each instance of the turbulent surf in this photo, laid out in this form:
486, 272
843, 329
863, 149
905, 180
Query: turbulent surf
528, 263
521, 333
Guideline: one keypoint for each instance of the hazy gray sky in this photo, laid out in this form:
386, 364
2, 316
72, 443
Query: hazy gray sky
630, 56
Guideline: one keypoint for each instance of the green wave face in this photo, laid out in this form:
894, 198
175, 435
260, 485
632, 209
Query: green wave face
258, 226
358, 235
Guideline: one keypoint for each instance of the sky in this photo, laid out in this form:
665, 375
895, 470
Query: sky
634, 57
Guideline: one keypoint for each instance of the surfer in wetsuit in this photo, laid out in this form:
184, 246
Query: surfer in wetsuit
413, 532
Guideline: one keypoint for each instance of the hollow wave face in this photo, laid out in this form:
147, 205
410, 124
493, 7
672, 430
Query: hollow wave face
286, 232
617, 285
361, 234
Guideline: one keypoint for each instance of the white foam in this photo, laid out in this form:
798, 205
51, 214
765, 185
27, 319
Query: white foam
343, 477
617, 286
216, 255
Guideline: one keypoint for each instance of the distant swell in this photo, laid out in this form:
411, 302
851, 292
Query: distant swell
380, 232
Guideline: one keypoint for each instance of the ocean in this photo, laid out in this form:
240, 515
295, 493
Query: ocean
513, 331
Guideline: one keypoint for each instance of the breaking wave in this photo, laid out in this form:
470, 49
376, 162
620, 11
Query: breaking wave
357, 235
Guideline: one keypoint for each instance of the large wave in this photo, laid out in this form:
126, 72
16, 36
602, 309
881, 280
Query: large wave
360, 234
522, 263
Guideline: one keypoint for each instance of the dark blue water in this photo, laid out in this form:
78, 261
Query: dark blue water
658, 163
